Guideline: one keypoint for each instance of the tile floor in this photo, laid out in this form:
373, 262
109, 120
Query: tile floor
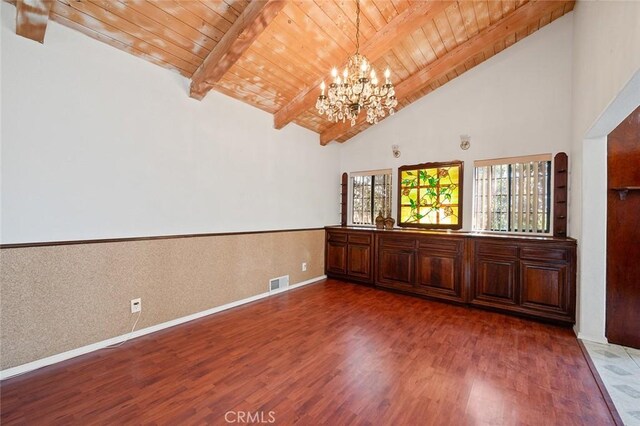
619, 369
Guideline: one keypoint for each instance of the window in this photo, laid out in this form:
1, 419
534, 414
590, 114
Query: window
431, 195
371, 195
513, 194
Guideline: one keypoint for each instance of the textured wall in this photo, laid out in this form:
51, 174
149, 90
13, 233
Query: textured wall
57, 298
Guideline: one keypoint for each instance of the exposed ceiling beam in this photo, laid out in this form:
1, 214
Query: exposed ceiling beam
518, 19
244, 31
32, 17
414, 17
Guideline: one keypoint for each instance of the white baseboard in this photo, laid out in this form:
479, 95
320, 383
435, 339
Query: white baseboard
595, 339
30, 366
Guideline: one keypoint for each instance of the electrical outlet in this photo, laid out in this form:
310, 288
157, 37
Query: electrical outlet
136, 305
304, 266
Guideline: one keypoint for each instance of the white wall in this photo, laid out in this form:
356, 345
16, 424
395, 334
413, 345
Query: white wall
593, 239
97, 143
606, 56
516, 103
1, 50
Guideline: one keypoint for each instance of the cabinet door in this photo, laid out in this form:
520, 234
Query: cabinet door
544, 286
495, 281
336, 261
395, 268
439, 274
359, 262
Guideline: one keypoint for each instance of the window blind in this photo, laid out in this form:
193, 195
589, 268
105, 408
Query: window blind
513, 194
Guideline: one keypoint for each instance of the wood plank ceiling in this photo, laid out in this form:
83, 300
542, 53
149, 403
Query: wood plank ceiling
273, 54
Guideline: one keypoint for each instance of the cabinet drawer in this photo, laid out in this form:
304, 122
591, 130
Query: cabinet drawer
544, 253
439, 244
406, 243
360, 239
337, 236
496, 250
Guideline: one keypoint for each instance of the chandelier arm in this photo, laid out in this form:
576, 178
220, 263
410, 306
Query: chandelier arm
384, 96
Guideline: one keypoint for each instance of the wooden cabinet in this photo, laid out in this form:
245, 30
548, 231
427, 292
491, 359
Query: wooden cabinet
336, 258
440, 268
547, 281
531, 277
395, 268
349, 255
429, 266
527, 276
396, 259
495, 281
336, 253
544, 286
495, 278
359, 261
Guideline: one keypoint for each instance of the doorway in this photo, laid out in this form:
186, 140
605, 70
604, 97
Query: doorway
623, 233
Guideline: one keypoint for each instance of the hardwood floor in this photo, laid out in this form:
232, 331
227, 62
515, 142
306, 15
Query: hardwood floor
330, 353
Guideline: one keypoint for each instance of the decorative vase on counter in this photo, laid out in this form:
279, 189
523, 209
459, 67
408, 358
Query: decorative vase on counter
380, 220
389, 222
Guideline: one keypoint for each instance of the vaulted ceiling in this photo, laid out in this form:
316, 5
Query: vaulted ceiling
273, 54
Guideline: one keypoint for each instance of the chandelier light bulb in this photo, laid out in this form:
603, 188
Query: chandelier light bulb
356, 90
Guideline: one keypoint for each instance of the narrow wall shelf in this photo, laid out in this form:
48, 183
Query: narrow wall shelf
560, 167
623, 191
344, 188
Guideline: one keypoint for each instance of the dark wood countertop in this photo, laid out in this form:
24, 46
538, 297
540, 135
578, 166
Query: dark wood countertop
452, 233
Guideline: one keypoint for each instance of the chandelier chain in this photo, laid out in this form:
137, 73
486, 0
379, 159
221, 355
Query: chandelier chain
357, 26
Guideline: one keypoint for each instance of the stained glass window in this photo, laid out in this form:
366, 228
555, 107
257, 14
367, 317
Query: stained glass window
430, 195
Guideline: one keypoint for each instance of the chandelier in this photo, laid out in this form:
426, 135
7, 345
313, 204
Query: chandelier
357, 89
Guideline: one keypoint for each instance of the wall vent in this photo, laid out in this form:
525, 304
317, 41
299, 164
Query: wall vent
278, 284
